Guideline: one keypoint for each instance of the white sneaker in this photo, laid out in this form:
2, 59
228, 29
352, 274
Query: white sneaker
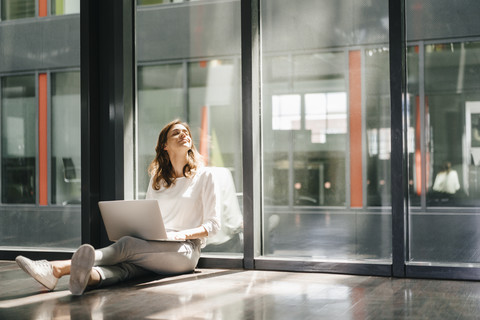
82, 264
40, 270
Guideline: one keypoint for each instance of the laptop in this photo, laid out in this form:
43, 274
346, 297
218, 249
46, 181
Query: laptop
136, 218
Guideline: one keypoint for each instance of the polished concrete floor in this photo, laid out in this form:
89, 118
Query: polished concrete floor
239, 294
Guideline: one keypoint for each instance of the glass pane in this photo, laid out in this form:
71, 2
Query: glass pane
451, 110
415, 185
60, 7
18, 139
443, 112
326, 130
40, 125
192, 72
160, 99
214, 109
17, 9
377, 100
310, 150
65, 127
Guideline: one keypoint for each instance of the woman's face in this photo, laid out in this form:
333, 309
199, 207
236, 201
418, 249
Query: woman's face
178, 139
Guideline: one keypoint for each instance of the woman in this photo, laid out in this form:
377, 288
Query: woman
446, 181
187, 197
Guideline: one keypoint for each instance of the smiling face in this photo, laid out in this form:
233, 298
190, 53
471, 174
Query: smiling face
178, 139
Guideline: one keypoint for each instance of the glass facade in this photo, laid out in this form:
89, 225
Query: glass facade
161, 83
65, 143
40, 128
18, 139
326, 115
443, 108
443, 152
61, 7
325, 125
17, 9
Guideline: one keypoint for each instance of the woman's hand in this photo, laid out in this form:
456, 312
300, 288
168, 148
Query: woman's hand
183, 235
172, 235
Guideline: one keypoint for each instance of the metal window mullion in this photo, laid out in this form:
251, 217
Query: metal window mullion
250, 47
107, 72
423, 147
398, 118
1, 133
37, 145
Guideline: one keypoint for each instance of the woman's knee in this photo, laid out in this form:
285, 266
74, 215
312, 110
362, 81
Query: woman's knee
130, 241
128, 245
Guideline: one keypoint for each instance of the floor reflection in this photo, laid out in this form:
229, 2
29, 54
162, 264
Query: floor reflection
239, 294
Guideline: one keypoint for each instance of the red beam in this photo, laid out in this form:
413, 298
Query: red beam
204, 135
355, 112
42, 8
43, 139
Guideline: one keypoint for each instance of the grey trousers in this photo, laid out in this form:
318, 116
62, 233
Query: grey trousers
131, 257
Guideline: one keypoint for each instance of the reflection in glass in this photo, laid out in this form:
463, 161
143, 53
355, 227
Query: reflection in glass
451, 102
17, 9
18, 139
307, 129
40, 124
326, 131
377, 102
61, 7
444, 107
160, 100
443, 124
65, 147
214, 108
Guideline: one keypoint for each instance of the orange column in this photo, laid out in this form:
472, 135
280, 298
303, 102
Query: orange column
42, 8
43, 139
204, 135
355, 113
418, 153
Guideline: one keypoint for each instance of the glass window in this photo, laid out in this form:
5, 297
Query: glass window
326, 130
377, 125
314, 123
160, 100
60, 7
17, 9
443, 107
18, 139
444, 152
65, 146
192, 72
40, 128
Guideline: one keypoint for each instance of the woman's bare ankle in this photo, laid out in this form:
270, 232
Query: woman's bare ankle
94, 278
60, 268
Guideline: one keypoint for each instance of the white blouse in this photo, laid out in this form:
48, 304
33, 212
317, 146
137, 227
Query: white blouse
189, 202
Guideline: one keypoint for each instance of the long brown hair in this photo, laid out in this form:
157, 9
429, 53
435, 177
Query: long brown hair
161, 168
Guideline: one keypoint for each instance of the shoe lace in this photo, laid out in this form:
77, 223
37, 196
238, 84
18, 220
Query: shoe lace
43, 267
